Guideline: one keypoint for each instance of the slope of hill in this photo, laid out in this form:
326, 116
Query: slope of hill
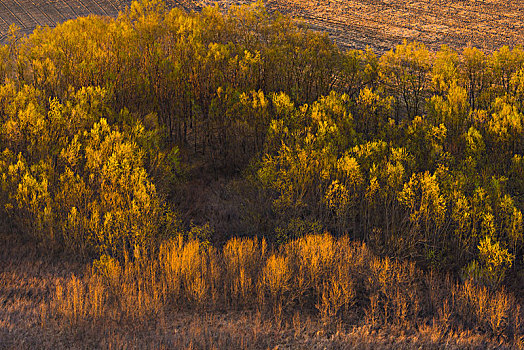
231, 181
379, 24
28, 14
382, 24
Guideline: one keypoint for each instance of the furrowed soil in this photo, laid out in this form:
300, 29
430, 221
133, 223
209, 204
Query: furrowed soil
379, 24
382, 24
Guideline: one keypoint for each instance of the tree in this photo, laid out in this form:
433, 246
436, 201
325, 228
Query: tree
405, 72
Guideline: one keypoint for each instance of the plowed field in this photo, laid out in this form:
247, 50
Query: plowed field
28, 14
381, 24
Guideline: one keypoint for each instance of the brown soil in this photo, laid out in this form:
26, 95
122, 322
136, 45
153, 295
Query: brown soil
382, 24
28, 14
379, 24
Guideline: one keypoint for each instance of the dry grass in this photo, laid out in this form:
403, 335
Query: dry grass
314, 291
27, 281
28, 14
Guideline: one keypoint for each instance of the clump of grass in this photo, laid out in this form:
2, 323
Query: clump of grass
243, 260
334, 280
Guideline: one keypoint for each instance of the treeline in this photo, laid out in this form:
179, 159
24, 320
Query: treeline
418, 153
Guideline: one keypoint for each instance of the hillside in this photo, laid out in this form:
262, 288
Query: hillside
233, 180
27, 15
381, 24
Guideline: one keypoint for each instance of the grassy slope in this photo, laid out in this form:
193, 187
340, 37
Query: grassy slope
28, 319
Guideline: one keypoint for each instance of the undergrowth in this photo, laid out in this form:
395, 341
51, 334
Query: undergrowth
334, 281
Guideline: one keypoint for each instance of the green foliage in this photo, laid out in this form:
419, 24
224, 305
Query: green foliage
418, 153
494, 262
75, 182
405, 71
429, 186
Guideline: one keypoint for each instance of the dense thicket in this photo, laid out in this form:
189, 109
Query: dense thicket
418, 153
